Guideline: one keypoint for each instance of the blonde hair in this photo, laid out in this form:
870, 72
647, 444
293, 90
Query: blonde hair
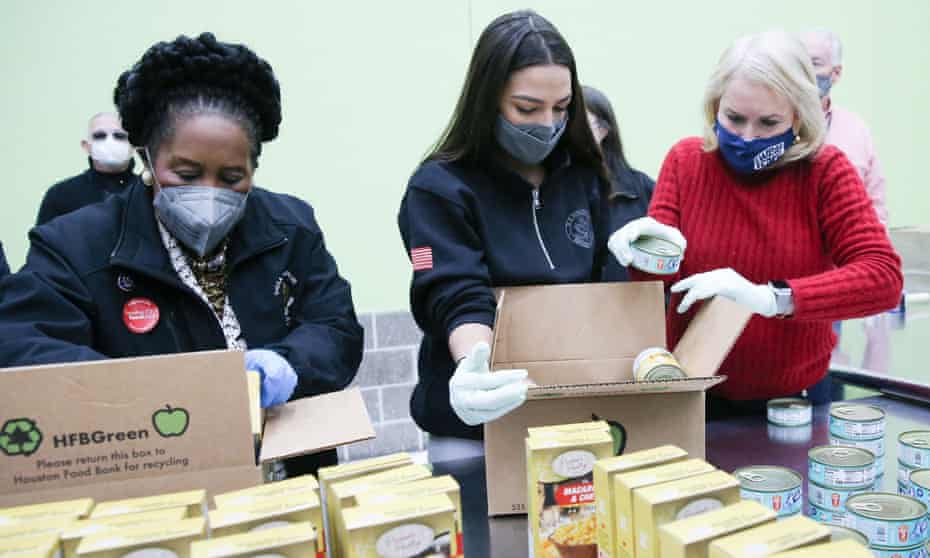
778, 61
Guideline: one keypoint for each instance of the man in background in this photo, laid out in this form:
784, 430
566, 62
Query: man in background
4, 267
110, 161
846, 130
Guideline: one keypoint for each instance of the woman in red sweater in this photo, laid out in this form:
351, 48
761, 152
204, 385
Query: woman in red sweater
774, 220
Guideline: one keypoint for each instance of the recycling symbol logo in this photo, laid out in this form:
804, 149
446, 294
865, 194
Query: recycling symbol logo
20, 437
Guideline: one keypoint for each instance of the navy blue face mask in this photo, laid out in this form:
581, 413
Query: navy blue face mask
751, 156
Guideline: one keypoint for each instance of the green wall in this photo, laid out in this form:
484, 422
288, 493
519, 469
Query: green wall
368, 86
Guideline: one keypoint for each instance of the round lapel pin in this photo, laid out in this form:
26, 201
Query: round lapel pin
125, 283
140, 315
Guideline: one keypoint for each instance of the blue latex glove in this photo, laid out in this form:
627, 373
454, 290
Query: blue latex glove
478, 396
278, 376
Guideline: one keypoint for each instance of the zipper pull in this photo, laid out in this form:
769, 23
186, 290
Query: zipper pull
536, 203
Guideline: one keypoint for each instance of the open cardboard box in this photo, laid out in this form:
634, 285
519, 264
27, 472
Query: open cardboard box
123, 428
578, 343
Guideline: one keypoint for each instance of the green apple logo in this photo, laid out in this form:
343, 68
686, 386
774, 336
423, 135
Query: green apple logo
170, 422
20, 437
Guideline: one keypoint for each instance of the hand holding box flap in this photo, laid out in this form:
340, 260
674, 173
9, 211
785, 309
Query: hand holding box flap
710, 336
315, 424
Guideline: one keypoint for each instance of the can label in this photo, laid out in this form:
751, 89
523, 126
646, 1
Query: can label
790, 415
857, 430
894, 534
876, 447
656, 256
829, 517
916, 552
784, 504
841, 477
913, 456
904, 473
918, 492
831, 499
904, 489
656, 364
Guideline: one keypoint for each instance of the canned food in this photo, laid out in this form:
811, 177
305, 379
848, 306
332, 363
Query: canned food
904, 473
790, 434
840, 533
777, 488
789, 411
888, 520
829, 517
655, 364
841, 467
919, 551
656, 255
914, 448
857, 422
832, 499
877, 447
919, 487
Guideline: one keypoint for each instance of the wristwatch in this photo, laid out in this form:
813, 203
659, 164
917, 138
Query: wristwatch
784, 299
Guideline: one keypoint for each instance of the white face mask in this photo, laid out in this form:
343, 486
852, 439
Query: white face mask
110, 151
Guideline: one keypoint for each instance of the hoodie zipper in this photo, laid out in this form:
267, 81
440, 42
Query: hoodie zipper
536, 205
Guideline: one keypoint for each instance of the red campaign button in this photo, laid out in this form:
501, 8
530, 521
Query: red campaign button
140, 315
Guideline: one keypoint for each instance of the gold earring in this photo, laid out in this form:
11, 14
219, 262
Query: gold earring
147, 177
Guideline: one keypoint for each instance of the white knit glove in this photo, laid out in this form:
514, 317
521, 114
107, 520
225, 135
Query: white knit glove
730, 284
619, 242
478, 396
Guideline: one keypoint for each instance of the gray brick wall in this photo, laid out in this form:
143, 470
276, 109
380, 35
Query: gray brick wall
386, 379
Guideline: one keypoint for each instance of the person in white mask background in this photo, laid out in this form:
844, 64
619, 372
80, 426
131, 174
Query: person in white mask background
110, 169
194, 256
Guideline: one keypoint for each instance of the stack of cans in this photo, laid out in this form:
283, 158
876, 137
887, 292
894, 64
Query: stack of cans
895, 525
835, 474
913, 454
777, 488
860, 426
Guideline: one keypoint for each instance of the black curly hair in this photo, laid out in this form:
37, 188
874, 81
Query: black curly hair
191, 76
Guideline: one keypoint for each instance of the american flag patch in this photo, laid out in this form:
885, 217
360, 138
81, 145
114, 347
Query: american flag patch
422, 258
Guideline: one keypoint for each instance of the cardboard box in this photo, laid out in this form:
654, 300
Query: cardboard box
659, 504
604, 472
562, 510
772, 538
124, 428
70, 508
292, 541
72, 535
302, 507
842, 549
689, 538
578, 343
344, 494
193, 501
445, 484
174, 536
36, 546
270, 491
626, 483
417, 527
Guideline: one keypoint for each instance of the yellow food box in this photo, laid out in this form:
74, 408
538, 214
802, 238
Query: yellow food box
271, 490
302, 507
175, 537
297, 540
417, 527
256, 416
604, 472
689, 538
344, 494
598, 425
841, 549
77, 530
772, 538
346, 471
626, 483
34, 546
426, 487
194, 500
72, 508
44, 526
656, 505
562, 510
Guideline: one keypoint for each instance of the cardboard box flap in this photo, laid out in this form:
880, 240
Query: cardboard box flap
315, 424
530, 325
710, 336
620, 388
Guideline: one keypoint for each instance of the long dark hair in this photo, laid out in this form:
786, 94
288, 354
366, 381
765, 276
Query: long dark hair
611, 146
511, 42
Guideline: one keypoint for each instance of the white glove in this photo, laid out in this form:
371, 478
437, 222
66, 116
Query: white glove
730, 284
619, 242
478, 396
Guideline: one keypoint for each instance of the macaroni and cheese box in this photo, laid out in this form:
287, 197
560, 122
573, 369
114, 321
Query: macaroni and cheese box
77, 530
689, 538
555, 429
297, 540
772, 538
171, 536
626, 483
46, 526
841, 549
426, 487
417, 527
604, 472
270, 491
35, 546
301, 507
562, 510
654, 506
71, 508
194, 500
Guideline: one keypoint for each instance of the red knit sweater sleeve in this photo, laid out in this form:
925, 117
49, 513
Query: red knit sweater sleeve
867, 278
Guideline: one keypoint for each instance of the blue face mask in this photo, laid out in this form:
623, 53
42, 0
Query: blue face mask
824, 83
529, 143
754, 155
